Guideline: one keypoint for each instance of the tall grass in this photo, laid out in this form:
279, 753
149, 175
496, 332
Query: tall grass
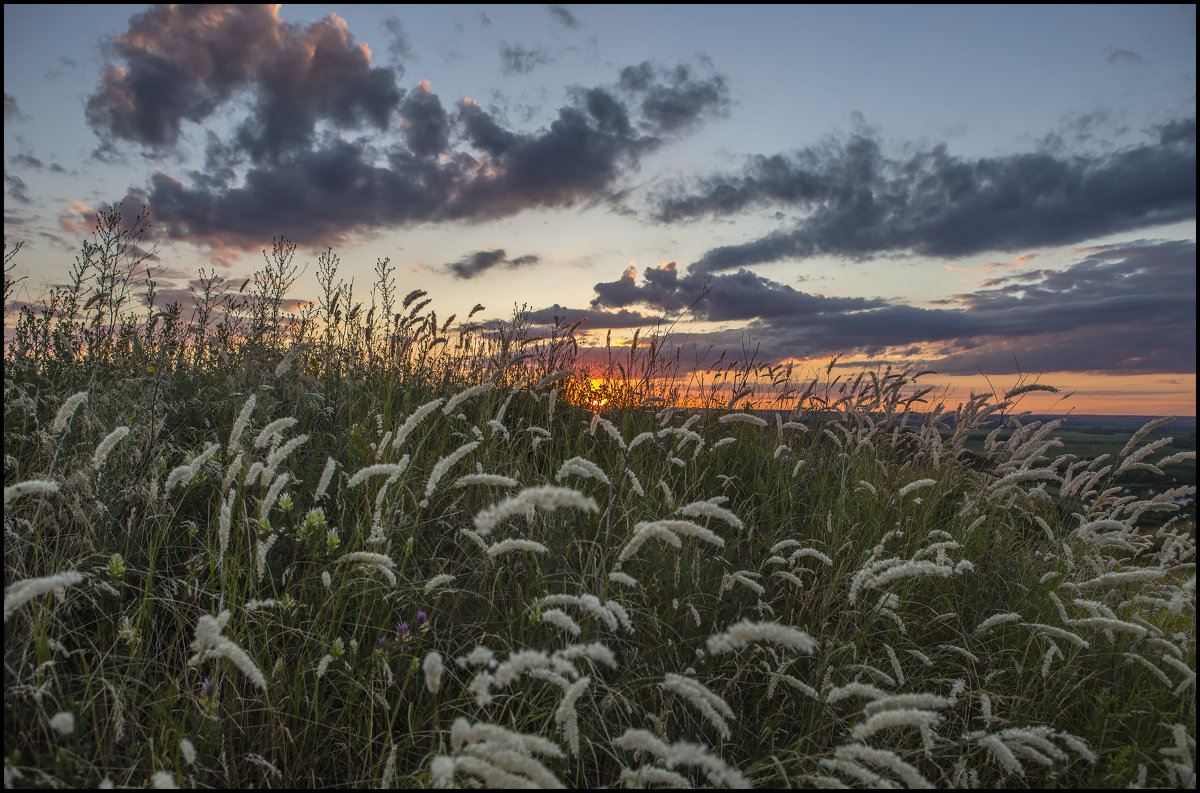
357, 545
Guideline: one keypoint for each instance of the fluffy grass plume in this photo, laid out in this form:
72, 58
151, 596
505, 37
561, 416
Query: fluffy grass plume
365, 544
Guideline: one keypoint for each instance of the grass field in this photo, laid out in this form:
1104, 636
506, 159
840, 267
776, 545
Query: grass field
366, 547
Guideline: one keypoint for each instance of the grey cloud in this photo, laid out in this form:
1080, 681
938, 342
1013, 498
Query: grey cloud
277, 174
730, 296
563, 16
17, 188
515, 59
593, 319
480, 261
399, 47
1128, 309
427, 127
1118, 55
861, 203
11, 111
184, 62
672, 100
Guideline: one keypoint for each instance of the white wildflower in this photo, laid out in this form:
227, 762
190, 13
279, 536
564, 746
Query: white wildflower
432, 667
62, 723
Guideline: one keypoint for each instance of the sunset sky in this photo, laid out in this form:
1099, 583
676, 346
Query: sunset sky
963, 188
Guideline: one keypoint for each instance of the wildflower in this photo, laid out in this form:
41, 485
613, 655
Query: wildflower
62, 723
188, 751
208, 698
163, 780
421, 621
116, 567
432, 667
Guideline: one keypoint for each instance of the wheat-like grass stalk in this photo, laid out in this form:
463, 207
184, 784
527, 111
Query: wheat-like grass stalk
546, 497
66, 411
14, 492
714, 709
21, 592
413, 420
106, 445
209, 643
746, 632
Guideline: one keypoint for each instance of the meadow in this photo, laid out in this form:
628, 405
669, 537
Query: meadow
356, 545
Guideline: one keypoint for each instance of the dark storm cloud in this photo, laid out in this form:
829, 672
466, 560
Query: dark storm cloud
426, 125
278, 175
515, 59
1121, 309
727, 297
593, 319
563, 16
11, 111
1118, 55
16, 188
399, 47
184, 62
480, 261
860, 203
672, 100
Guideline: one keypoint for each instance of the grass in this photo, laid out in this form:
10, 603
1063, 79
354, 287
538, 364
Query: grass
533, 592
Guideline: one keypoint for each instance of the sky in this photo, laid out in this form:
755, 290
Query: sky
990, 192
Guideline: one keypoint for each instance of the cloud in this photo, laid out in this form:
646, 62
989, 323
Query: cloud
184, 62
515, 59
673, 100
381, 158
11, 111
592, 319
860, 203
342, 186
426, 125
1118, 309
480, 261
17, 189
400, 47
563, 16
1118, 55
724, 297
